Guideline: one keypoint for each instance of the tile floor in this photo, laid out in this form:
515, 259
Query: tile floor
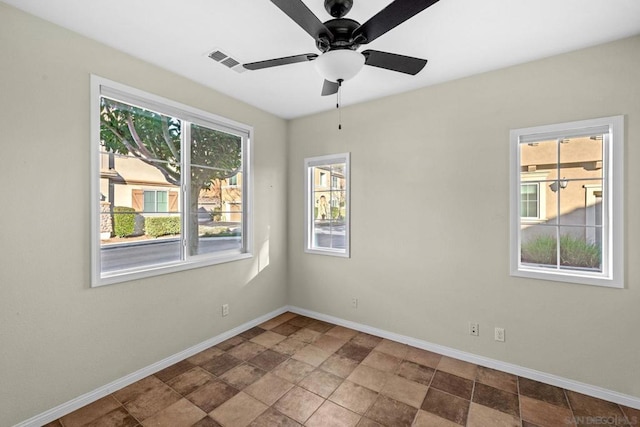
293, 370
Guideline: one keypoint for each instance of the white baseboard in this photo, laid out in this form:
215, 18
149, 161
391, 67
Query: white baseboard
589, 390
99, 393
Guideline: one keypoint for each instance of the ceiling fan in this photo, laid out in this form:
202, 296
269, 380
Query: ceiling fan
339, 38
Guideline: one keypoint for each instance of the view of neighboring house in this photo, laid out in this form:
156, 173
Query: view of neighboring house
329, 192
127, 181
561, 189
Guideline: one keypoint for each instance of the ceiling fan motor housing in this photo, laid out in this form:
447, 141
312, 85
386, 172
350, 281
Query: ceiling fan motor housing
342, 30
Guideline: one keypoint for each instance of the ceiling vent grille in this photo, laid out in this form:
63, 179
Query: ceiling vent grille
226, 60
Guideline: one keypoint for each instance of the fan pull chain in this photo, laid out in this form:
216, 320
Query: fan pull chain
338, 102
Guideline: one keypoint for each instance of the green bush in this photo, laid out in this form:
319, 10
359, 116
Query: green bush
157, 226
124, 221
574, 252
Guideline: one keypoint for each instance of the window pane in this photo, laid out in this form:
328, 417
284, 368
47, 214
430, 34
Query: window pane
162, 202
539, 245
150, 201
216, 208
577, 251
132, 234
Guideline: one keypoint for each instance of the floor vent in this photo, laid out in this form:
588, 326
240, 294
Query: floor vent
226, 60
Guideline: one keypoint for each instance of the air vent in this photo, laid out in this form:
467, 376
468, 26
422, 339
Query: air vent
226, 60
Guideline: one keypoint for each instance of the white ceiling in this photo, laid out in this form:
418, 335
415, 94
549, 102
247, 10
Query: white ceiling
458, 37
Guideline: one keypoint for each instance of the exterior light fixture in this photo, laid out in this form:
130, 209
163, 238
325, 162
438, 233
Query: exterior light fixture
561, 183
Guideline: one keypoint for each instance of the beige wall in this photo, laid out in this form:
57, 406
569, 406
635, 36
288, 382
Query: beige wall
445, 260
59, 338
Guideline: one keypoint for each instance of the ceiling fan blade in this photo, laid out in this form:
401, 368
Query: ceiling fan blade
280, 61
394, 62
390, 17
302, 16
329, 88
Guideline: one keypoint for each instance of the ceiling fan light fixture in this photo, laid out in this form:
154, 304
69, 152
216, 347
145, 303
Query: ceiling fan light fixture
342, 64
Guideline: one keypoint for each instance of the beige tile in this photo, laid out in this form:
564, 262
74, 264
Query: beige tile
132, 391
277, 321
497, 379
147, 403
330, 414
382, 361
174, 370
293, 370
393, 348
544, 414
458, 367
298, 404
206, 422
117, 418
404, 391
427, 419
91, 412
415, 372
482, 416
268, 339
289, 346
239, 411
329, 343
305, 335
212, 394
366, 422
269, 388
366, 340
268, 360
181, 414
273, 418
242, 376
321, 383
368, 377
230, 343
339, 365
390, 412
633, 415
354, 397
423, 357
312, 355
247, 350
447, 406
190, 381
586, 408
342, 332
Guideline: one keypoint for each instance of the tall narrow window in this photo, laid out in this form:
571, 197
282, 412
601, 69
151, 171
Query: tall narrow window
149, 216
327, 207
576, 234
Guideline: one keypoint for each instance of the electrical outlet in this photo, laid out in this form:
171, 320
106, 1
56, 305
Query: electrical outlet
474, 329
225, 310
499, 334
354, 302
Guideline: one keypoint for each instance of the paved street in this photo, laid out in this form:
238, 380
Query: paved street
119, 257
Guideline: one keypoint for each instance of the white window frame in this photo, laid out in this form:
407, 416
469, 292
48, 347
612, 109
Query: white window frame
104, 87
537, 178
309, 203
612, 274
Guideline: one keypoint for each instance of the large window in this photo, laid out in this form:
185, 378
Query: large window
327, 206
566, 202
149, 217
